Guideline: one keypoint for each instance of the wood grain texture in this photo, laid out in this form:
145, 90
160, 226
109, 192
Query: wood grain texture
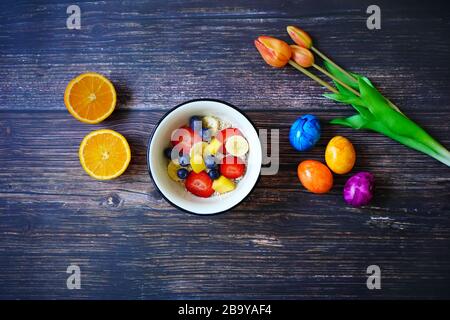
282, 242
159, 56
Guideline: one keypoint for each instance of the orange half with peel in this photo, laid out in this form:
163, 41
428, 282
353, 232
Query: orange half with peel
104, 154
90, 97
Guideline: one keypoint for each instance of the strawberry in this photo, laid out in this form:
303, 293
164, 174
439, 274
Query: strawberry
185, 135
184, 138
232, 167
199, 184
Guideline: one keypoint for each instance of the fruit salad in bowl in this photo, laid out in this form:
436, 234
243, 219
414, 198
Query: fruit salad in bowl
204, 156
208, 156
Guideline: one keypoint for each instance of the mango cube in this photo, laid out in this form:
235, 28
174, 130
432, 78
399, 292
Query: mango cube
213, 147
223, 185
197, 163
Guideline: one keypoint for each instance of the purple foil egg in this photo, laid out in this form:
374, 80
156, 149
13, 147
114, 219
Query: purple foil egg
358, 189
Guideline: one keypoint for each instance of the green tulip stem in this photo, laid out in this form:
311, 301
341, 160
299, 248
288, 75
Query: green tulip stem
325, 72
324, 57
312, 76
393, 106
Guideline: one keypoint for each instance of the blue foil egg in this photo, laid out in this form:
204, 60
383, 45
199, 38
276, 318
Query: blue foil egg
305, 132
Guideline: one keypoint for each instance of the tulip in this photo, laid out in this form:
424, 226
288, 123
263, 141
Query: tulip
275, 52
375, 112
278, 53
303, 39
302, 56
300, 37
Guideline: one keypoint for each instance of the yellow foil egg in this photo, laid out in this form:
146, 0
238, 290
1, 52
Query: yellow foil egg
340, 155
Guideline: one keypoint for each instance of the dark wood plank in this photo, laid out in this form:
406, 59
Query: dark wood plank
281, 243
203, 9
163, 53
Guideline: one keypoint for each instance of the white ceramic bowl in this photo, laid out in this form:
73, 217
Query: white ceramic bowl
175, 192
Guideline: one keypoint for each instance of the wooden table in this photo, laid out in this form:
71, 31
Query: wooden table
282, 242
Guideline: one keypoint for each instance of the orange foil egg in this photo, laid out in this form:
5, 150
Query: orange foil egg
315, 176
340, 155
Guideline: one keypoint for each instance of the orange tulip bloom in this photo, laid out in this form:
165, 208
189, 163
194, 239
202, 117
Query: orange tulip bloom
274, 51
302, 56
300, 37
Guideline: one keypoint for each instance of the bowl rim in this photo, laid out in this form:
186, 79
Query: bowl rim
149, 141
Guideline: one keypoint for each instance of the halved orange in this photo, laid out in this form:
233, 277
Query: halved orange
104, 154
90, 97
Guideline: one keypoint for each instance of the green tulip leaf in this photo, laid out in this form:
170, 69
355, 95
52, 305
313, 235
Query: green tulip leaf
377, 113
355, 122
341, 76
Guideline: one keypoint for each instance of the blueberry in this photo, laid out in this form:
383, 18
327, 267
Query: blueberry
210, 161
195, 122
184, 160
214, 174
182, 173
206, 134
168, 153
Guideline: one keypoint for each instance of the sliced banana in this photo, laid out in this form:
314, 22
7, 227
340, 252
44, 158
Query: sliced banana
172, 169
236, 146
211, 123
